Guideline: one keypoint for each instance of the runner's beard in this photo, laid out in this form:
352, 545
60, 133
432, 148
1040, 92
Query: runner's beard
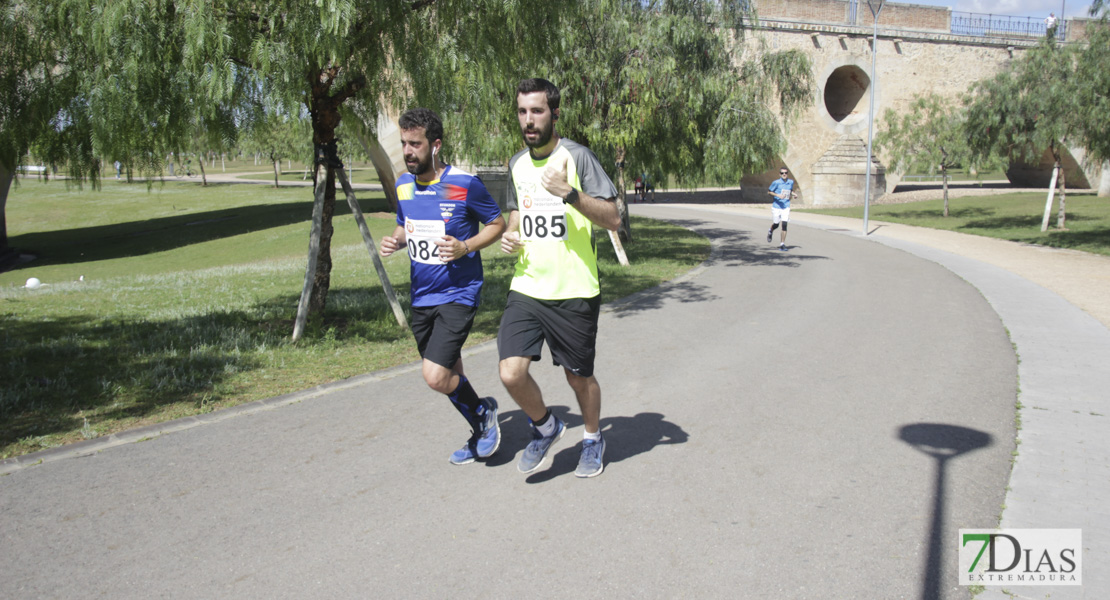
545, 136
421, 166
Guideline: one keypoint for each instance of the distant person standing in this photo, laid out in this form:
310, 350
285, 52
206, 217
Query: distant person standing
782, 189
439, 209
559, 194
1050, 25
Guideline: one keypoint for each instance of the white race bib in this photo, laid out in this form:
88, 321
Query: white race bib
421, 237
543, 218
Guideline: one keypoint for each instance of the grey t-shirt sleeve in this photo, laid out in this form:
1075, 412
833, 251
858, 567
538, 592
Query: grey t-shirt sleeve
595, 182
511, 203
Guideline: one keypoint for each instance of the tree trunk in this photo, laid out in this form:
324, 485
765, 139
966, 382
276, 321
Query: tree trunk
624, 232
277, 172
321, 283
944, 177
203, 175
325, 119
6, 176
1048, 199
1060, 217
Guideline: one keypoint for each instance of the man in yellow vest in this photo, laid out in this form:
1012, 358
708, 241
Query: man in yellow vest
559, 192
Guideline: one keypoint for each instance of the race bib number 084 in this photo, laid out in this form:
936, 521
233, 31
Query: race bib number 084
421, 237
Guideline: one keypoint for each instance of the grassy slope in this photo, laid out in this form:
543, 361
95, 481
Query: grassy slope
188, 297
1016, 217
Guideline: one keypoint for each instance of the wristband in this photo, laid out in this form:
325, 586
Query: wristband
572, 197
467, 246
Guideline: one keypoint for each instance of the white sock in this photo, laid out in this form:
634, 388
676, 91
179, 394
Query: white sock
595, 436
547, 428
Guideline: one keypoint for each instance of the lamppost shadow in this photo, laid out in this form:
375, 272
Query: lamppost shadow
942, 443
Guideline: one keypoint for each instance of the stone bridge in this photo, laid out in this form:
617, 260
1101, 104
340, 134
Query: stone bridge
917, 52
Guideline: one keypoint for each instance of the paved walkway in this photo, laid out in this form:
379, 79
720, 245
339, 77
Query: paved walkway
778, 428
1055, 305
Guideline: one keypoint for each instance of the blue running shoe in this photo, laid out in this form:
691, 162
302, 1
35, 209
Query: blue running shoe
590, 464
485, 441
537, 449
782, 247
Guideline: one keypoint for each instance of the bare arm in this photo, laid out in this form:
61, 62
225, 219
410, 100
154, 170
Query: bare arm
393, 243
451, 248
602, 211
510, 240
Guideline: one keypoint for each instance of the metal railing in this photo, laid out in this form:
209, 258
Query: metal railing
986, 25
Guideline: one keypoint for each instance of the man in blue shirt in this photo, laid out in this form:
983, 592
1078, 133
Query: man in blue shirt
439, 209
781, 189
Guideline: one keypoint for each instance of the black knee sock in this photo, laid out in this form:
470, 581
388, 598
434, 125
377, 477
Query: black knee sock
466, 401
543, 420
774, 226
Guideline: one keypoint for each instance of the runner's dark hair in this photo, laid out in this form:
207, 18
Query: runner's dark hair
536, 84
422, 117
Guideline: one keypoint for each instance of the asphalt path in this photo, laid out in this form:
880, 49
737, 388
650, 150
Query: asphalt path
816, 423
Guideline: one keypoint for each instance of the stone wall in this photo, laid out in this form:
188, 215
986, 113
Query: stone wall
907, 63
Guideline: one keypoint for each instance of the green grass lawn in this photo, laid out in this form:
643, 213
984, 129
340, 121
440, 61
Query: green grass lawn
1016, 217
180, 299
355, 175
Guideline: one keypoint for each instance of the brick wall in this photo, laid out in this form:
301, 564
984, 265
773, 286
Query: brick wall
1078, 28
907, 16
820, 11
835, 12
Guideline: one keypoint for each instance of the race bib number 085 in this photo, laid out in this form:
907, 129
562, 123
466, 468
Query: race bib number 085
543, 219
421, 237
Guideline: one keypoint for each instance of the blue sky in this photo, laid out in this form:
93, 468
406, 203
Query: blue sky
1018, 8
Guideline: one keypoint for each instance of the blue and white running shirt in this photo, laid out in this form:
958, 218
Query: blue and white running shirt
452, 205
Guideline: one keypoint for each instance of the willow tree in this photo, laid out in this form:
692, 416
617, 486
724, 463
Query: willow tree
1029, 106
328, 54
32, 90
656, 84
1093, 88
279, 137
930, 137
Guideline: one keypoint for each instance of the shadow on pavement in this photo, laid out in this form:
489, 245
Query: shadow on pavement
730, 248
942, 443
625, 437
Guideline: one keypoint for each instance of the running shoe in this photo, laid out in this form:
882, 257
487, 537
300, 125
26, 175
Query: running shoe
782, 247
537, 449
486, 439
590, 464
769, 232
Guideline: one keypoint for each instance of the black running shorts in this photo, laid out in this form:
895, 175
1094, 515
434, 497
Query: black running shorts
441, 331
568, 326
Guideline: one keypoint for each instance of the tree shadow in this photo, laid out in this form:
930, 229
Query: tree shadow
942, 443
1008, 222
134, 367
956, 212
137, 238
728, 248
1091, 239
1032, 222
